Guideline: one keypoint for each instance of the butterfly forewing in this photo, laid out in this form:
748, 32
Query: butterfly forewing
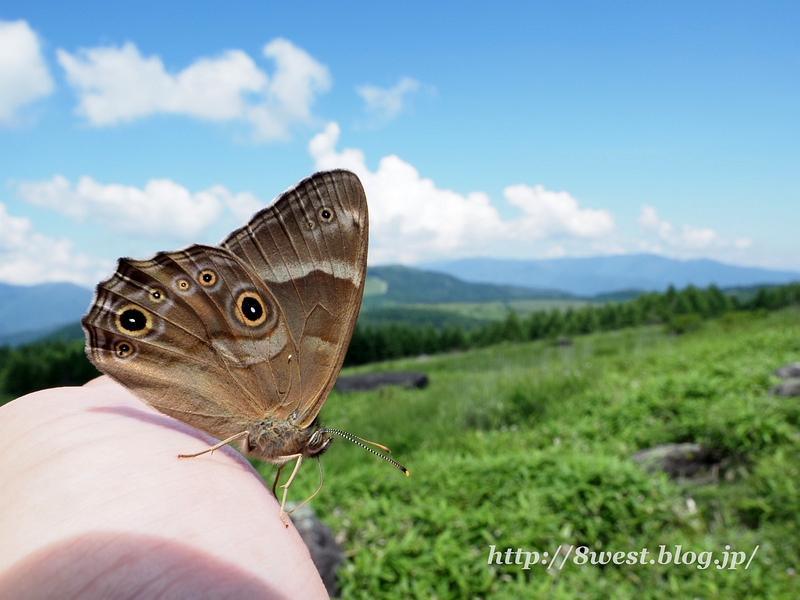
310, 249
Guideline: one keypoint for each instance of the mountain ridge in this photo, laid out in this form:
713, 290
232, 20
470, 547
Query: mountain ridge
598, 275
398, 284
36, 310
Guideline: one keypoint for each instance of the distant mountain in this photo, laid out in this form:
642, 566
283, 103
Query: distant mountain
31, 312
608, 274
396, 285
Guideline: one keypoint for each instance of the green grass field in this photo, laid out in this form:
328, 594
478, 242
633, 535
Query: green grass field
465, 315
497, 311
527, 446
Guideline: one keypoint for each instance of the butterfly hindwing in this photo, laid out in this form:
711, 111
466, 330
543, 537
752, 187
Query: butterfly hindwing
184, 345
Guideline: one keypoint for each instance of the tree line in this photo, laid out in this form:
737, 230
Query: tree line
679, 310
41, 365
57, 363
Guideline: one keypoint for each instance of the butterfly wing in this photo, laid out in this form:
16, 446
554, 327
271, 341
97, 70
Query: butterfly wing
196, 335
222, 337
310, 249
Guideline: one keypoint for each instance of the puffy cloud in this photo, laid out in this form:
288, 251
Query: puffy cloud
388, 103
411, 219
687, 237
298, 77
23, 72
549, 213
686, 241
162, 208
241, 205
28, 257
119, 84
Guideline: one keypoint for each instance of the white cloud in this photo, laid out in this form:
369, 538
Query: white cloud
297, 77
549, 213
687, 237
23, 72
118, 84
28, 257
687, 241
388, 103
241, 205
162, 208
413, 220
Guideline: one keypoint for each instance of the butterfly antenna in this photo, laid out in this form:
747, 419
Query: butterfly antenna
363, 443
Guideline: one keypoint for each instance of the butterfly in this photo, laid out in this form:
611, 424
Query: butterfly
245, 340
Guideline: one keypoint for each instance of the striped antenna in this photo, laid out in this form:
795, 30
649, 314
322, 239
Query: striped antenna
363, 443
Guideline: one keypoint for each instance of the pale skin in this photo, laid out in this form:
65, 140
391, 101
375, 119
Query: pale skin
95, 503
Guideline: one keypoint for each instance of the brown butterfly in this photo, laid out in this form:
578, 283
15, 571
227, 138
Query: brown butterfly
245, 340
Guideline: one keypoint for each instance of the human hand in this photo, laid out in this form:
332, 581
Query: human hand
94, 503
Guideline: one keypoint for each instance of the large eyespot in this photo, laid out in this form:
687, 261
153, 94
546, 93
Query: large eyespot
133, 320
325, 214
123, 349
156, 295
183, 284
250, 309
207, 277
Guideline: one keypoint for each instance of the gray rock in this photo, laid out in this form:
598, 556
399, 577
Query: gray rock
788, 388
371, 381
563, 341
690, 461
792, 370
326, 554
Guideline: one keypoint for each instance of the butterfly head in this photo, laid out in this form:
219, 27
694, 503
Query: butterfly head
317, 443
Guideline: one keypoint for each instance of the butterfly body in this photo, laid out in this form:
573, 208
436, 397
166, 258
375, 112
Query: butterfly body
243, 340
274, 440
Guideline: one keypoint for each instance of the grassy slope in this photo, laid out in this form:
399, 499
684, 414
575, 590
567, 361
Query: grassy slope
497, 311
527, 445
396, 294
459, 314
404, 285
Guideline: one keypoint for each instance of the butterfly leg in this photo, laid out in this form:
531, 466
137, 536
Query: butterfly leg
285, 486
277, 477
233, 438
319, 487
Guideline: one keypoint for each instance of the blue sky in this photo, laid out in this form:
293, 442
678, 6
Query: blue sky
513, 130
